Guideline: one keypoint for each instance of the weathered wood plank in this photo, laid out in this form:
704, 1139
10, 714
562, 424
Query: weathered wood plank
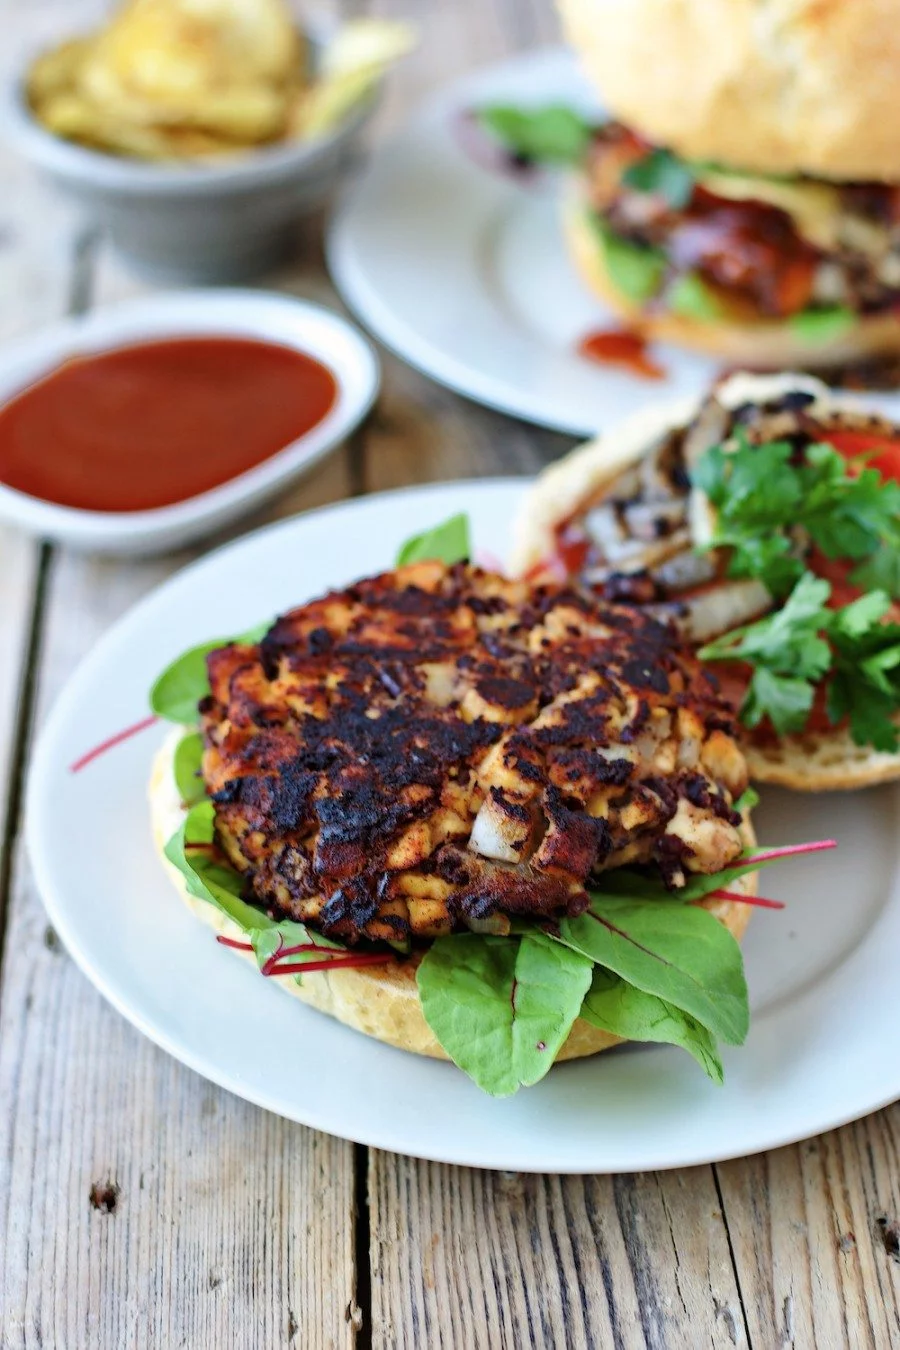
225, 1217
817, 1240
228, 1225
35, 272
486, 1259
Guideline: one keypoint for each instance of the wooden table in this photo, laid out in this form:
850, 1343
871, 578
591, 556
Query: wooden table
141, 1206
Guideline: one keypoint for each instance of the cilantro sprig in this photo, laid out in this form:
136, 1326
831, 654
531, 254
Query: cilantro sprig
770, 504
805, 642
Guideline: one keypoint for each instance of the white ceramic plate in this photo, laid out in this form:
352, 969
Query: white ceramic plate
463, 271
308, 328
826, 1001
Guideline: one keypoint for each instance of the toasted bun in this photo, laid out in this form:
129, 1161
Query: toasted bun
380, 1001
790, 86
825, 761
760, 343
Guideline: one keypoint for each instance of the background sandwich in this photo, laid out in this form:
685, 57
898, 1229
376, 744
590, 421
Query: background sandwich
745, 199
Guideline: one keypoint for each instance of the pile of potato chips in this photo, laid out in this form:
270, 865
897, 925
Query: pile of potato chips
194, 79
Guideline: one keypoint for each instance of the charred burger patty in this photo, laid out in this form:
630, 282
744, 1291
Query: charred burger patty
442, 748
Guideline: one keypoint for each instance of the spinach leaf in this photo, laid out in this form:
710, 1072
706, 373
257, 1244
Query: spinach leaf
502, 1007
280, 937
634, 269
447, 543
823, 323
616, 1006
188, 758
680, 953
183, 683
551, 135
190, 850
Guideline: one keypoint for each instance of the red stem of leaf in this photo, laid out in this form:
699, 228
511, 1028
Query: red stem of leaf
816, 846
759, 900
336, 962
111, 742
273, 965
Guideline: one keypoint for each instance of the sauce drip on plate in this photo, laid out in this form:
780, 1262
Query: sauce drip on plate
144, 426
621, 347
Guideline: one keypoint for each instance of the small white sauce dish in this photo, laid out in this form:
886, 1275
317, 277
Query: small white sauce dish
307, 328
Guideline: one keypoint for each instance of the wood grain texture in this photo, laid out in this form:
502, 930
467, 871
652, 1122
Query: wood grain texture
482, 1259
816, 1234
140, 1205
225, 1217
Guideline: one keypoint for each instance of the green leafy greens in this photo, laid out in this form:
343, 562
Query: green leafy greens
643, 963
663, 174
183, 683
551, 135
690, 296
448, 543
822, 323
614, 1005
764, 497
501, 1007
771, 505
188, 759
635, 270
792, 650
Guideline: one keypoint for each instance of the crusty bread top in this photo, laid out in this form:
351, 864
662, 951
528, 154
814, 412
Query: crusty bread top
789, 86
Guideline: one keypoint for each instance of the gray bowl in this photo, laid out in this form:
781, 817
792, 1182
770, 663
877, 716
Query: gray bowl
190, 223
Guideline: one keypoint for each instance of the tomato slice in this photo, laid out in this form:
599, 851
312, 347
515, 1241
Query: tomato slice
886, 456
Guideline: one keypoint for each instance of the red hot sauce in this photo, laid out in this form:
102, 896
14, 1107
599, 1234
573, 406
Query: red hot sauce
144, 426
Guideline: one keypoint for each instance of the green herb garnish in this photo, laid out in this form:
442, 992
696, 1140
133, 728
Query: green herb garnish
763, 495
635, 270
550, 135
821, 324
663, 174
805, 642
448, 543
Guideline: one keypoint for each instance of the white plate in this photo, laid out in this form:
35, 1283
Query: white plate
822, 974
308, 328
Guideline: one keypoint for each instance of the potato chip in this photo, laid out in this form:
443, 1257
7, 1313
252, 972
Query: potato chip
56, 71
350, 68
195, 79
